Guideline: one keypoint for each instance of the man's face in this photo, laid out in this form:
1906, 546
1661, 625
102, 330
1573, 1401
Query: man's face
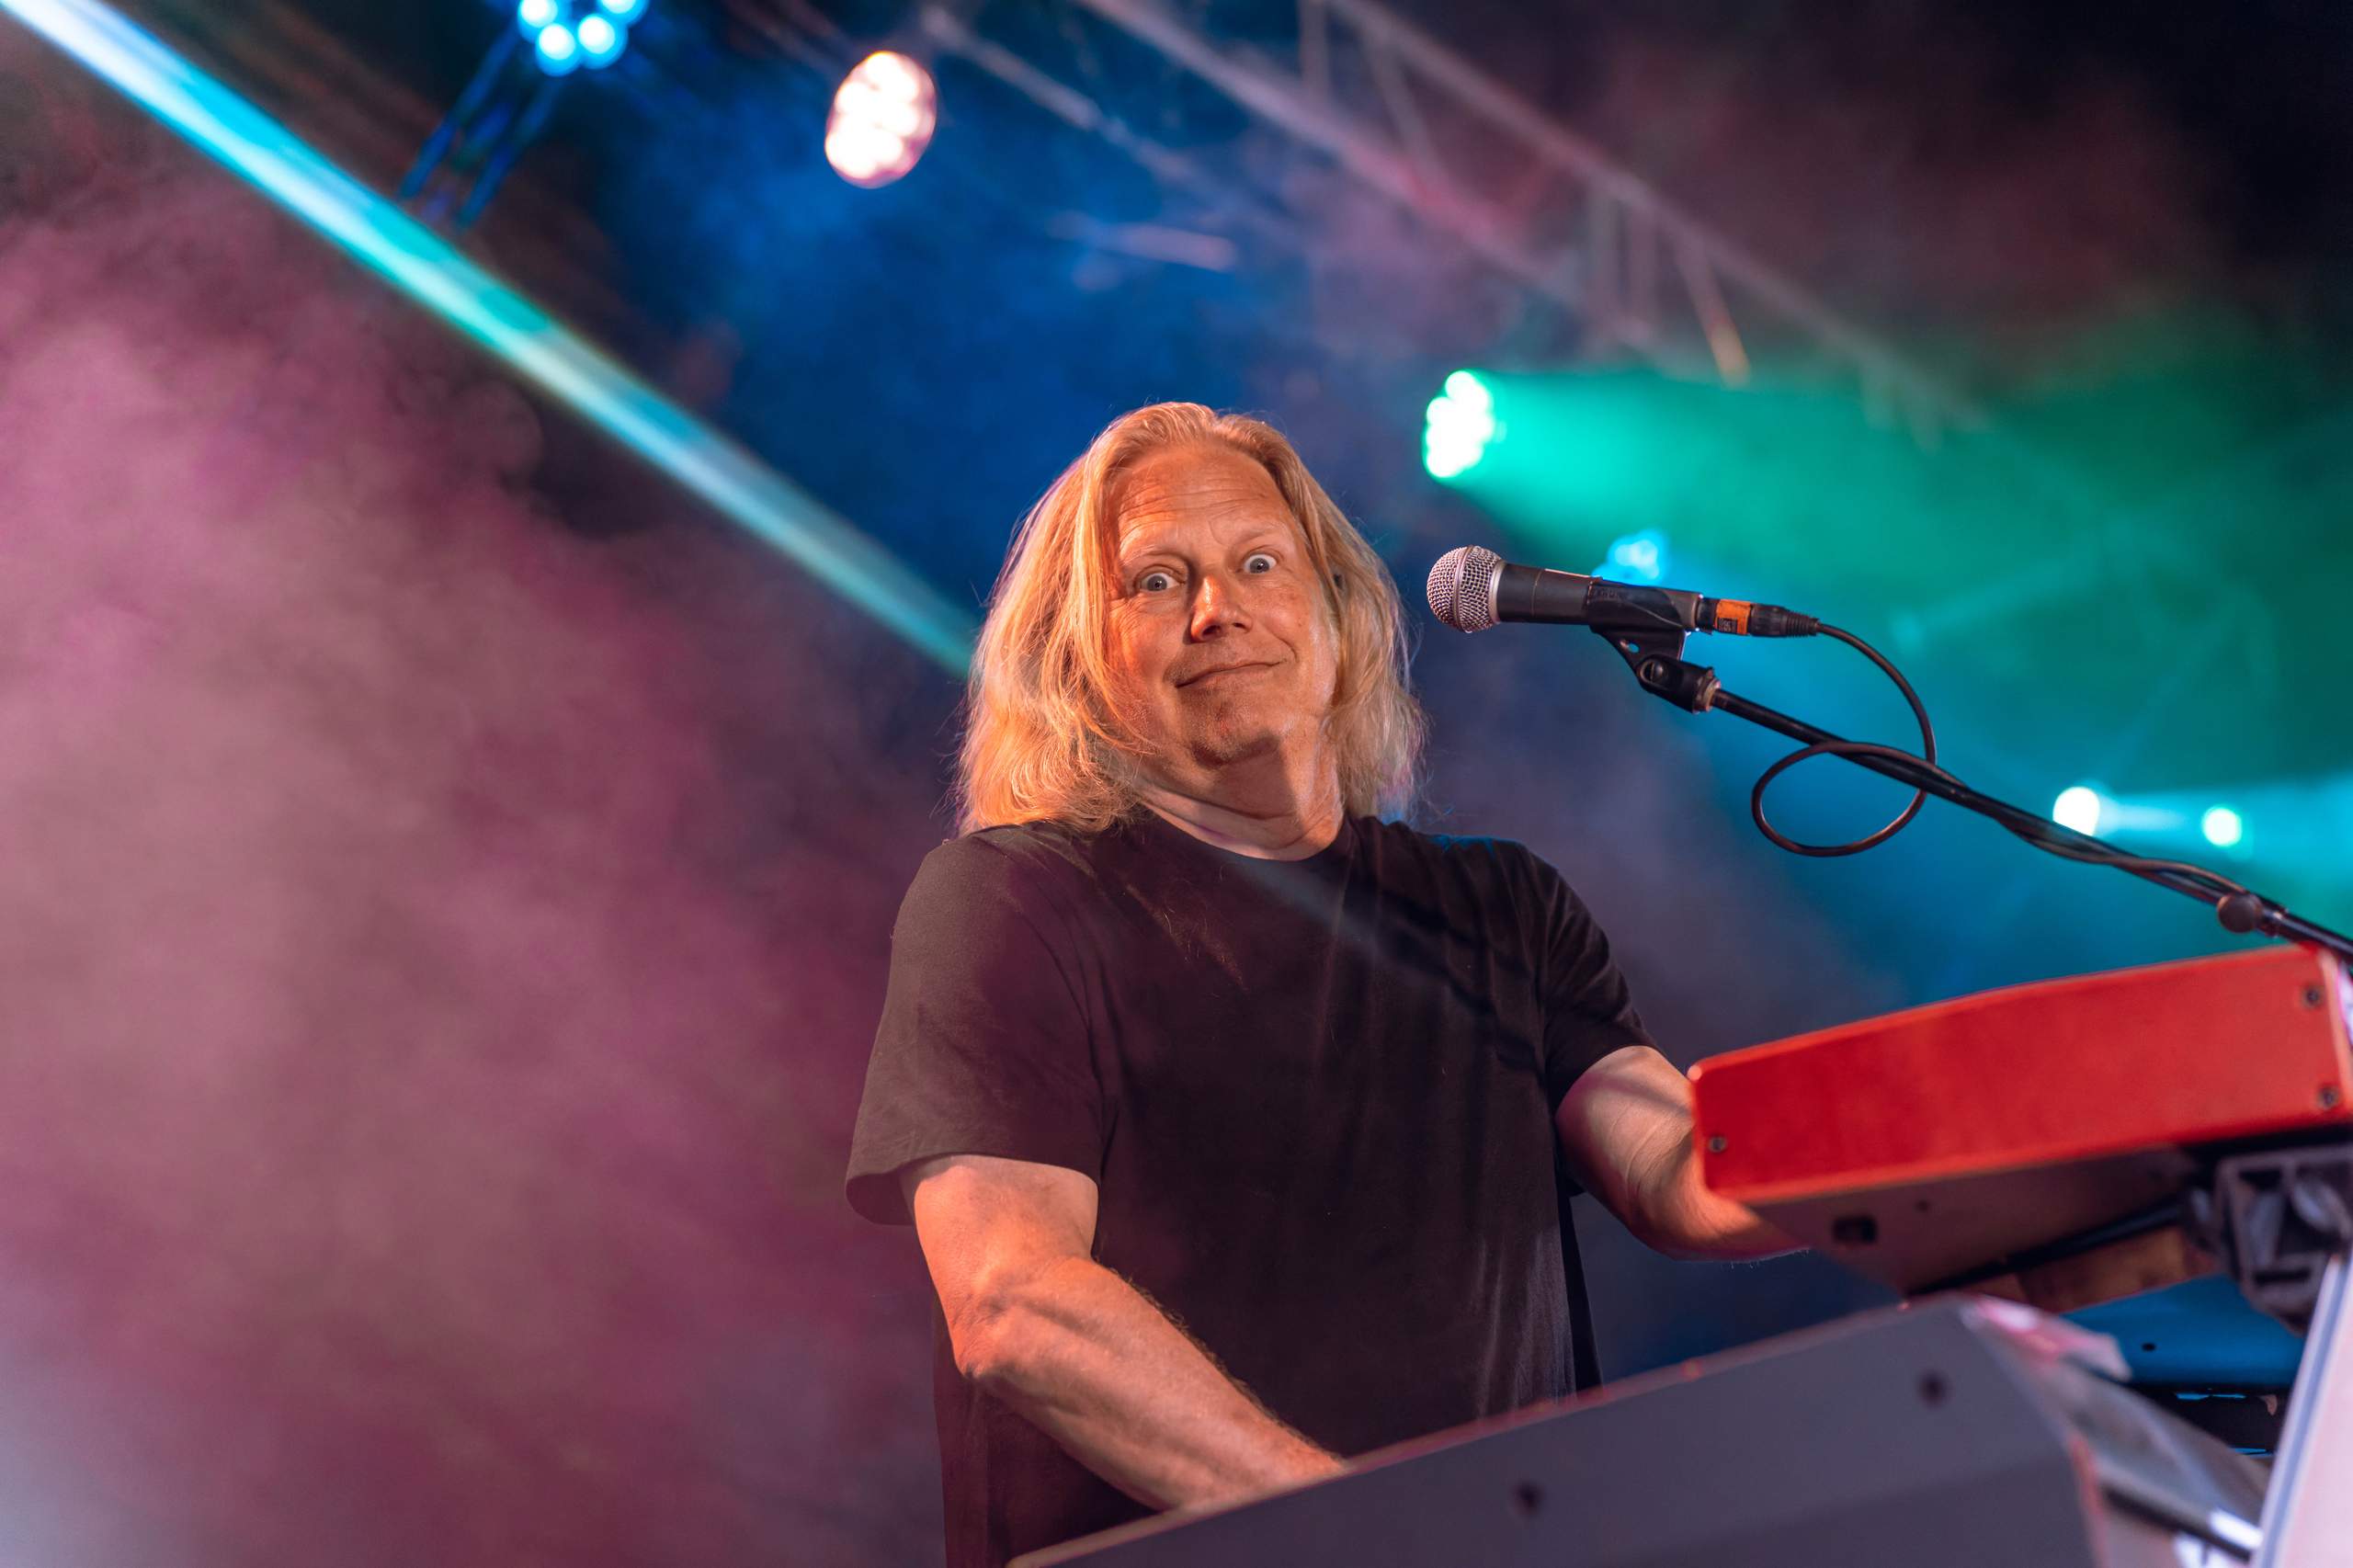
1219, 627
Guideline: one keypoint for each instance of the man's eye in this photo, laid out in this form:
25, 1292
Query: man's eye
1258, 561
1154, 582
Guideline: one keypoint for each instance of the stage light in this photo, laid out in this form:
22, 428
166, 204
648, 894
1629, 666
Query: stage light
435, 275
1465, 388
568, 34
1458, 425
600, 40
2080, 807
1636, 558
883, 115
559, 49
2221, 827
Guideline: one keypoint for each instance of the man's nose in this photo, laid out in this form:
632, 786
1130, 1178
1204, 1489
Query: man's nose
1217, 605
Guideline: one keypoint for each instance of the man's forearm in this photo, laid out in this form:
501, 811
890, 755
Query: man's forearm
1687, 1220
1626, 1127
1090, 1360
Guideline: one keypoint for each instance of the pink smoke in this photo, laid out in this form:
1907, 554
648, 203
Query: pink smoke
438, 952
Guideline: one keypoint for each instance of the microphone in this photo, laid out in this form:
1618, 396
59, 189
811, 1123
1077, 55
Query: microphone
1471, 589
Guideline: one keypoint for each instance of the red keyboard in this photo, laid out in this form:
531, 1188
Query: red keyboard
1921, 1146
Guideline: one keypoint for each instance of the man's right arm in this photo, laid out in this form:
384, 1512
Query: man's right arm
1078, 1351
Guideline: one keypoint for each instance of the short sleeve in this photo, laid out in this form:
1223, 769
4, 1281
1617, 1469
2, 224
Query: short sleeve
984, 1047
1589, 1009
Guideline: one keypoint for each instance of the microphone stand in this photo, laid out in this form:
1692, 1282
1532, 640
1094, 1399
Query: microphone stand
1655, 653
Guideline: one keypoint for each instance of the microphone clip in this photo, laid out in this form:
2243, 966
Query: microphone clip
1655, 656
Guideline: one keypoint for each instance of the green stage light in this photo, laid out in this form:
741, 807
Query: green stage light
1779, 471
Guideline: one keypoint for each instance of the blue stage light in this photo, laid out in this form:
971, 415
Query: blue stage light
533, 14
622, 11
559, 49
1636, 558
600, 40
2222, 827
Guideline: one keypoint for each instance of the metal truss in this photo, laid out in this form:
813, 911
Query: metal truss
1234, 209
1410, 119
1421, 125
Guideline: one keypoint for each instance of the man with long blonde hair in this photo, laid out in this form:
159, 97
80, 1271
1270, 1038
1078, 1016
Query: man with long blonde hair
1232, 1116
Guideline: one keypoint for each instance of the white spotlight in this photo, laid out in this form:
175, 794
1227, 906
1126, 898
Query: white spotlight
2080, 807
883, 115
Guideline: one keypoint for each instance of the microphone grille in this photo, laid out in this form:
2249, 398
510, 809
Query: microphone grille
1462, 587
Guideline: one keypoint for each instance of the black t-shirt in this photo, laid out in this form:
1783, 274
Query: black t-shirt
1316, 1097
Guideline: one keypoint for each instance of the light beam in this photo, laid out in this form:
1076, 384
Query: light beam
430, 271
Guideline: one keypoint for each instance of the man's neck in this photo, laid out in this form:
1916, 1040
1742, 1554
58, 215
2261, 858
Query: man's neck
1278, 824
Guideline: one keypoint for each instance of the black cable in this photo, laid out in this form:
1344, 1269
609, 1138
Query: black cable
2220, 887
1850, 749
2224, 887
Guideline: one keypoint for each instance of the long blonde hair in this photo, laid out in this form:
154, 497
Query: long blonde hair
1046, 738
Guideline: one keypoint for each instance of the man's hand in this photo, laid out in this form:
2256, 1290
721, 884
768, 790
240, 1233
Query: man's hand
1081, 1353
1625, 1128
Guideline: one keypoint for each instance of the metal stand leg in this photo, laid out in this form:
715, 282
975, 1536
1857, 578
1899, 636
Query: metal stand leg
2308, 1509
